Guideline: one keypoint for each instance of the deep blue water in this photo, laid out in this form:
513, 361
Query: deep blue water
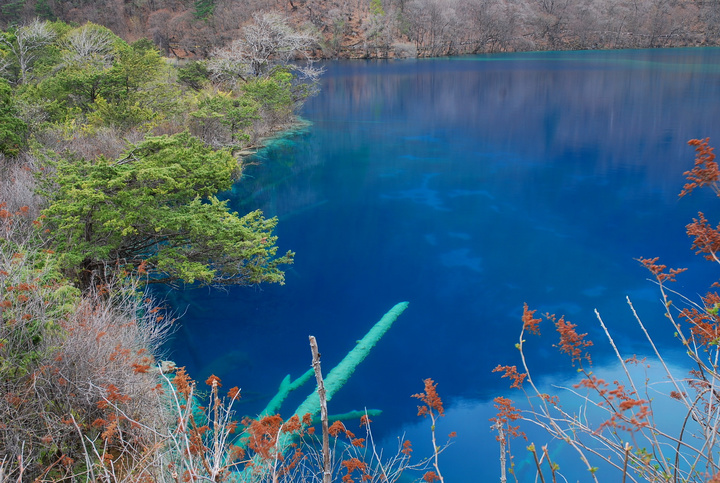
465, 186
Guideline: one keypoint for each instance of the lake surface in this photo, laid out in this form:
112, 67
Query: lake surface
465, 186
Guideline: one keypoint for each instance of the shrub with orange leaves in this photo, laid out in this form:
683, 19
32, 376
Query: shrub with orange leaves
433, 407
571, 342
80, 364
431, 476
352, 465
530, 323
213, 380
512, 373
406, 448
336, 428
507, 414
705, 172
431, 400
617, 424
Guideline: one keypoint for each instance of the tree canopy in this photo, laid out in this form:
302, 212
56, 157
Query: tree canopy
12, 129
154, 211
140, 149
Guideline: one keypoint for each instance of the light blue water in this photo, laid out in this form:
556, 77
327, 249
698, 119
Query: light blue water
465, 186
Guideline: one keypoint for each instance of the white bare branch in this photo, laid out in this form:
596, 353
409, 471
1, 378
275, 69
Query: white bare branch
88, 44
29, 40
269, 41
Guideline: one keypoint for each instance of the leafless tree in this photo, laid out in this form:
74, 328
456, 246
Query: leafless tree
431, 25
158, 24
379, 30
78, 373
668, 21
336, 29
28, 42
710, 14
89, 44
550, 22
269, 42
583, 28
488, 25
19, 185
265, 43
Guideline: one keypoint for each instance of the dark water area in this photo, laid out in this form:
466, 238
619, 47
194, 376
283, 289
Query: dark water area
466, 186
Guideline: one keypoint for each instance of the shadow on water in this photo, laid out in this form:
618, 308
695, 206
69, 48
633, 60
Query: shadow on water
466, 186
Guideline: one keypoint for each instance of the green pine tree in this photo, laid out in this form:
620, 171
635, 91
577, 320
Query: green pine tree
204, 9
154, 212
12, 129
43, 11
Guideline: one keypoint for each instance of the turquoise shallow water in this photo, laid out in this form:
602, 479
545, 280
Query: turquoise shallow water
466, 186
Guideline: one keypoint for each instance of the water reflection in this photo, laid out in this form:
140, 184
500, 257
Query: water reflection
466, 187
473, 455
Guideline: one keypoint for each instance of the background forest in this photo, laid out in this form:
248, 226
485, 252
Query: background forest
388, 28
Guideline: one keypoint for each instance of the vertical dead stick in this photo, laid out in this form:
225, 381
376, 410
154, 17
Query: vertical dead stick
503, 444
625, 462
327, 473
531, 448
553, 466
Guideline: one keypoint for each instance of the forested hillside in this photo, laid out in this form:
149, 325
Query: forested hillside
111, 157
397, 28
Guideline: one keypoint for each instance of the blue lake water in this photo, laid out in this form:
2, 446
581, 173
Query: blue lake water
466, 186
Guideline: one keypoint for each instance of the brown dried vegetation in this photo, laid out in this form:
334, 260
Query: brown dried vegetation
401, 28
